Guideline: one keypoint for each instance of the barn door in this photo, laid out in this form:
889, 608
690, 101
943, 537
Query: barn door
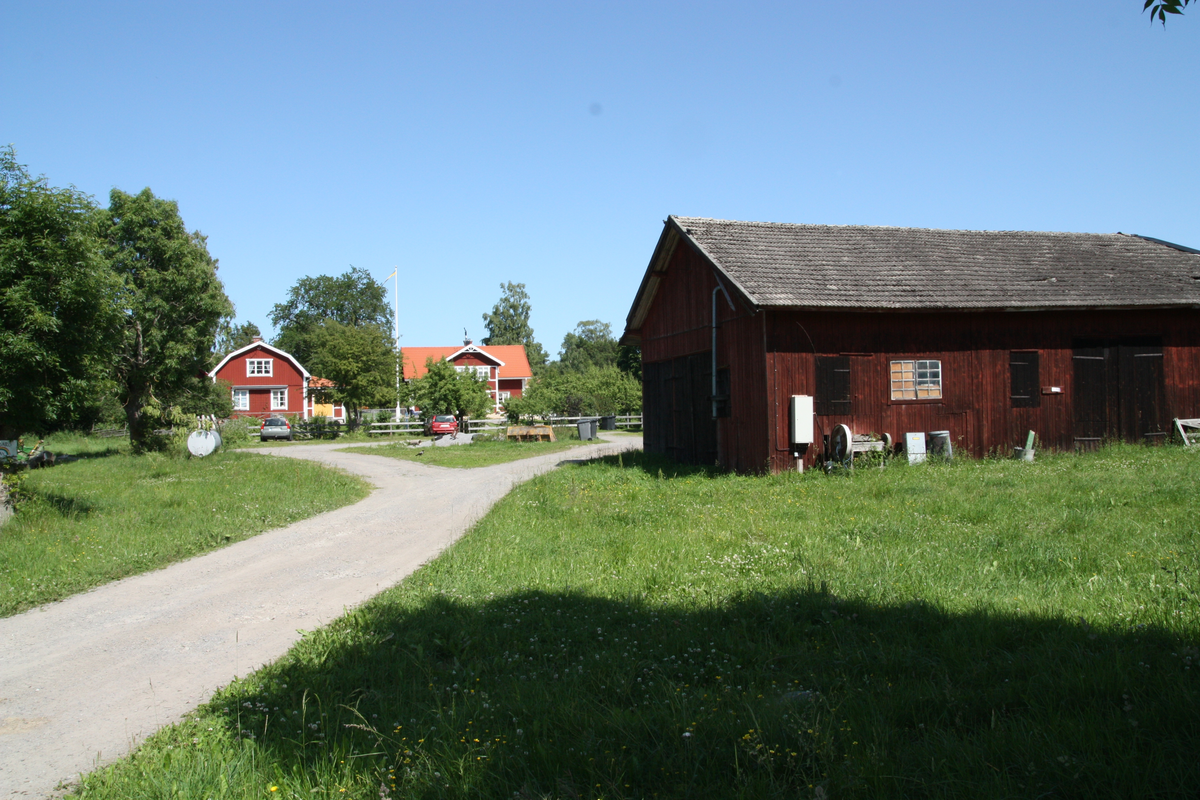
1119, 392
1143, 393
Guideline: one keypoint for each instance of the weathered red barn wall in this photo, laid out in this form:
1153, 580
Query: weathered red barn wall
974, 349
680, 325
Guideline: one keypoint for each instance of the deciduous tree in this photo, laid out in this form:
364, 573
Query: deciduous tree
353, 299
509, 323
445, 390
591, 344
231, 336
172, 302
58, 309
360, 361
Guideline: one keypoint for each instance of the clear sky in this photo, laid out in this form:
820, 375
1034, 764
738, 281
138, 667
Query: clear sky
476, 143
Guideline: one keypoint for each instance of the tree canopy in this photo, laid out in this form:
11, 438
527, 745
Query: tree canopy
353, 299
591, 344
509, 323
58, 304
360, 361
172, 301
231, 336
445, 390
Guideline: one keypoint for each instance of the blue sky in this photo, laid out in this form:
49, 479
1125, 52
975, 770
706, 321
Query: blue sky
476, 143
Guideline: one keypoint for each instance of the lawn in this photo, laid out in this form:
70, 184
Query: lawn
480, 453
633, 629
110, 515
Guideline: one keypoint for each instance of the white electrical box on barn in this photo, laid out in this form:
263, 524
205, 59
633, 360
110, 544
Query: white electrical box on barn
801, 419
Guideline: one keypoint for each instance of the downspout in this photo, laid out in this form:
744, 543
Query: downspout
721, 288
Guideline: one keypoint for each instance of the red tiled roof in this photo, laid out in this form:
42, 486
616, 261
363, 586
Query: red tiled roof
515, 362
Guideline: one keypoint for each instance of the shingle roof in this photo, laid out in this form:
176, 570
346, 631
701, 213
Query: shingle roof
880, 268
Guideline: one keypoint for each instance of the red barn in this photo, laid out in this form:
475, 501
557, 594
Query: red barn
985, 334
505, 367
267, 381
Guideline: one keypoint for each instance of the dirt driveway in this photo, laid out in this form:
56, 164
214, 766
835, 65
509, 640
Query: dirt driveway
84, 680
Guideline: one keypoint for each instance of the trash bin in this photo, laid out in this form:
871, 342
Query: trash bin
608, 423
939, 444
585, 429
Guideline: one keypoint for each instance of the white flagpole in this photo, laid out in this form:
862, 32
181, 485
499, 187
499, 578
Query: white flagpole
399, 354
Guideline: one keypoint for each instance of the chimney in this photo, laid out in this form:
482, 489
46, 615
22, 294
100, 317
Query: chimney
256, 340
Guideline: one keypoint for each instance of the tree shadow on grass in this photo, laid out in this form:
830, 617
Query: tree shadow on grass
802, 694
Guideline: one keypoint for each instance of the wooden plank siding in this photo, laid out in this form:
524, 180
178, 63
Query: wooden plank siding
975, 350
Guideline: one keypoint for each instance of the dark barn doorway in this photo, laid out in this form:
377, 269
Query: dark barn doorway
677, 408
1120, 392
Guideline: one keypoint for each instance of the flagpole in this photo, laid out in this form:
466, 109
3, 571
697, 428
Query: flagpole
399, 354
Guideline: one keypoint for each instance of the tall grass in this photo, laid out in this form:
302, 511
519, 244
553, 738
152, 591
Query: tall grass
629, 629
110, 515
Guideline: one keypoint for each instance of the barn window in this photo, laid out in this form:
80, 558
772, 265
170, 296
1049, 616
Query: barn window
833, 385
279, 399
241, 399
1024, 379
259, 366
916, 380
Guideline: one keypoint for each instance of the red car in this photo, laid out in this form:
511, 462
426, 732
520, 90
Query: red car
441, 425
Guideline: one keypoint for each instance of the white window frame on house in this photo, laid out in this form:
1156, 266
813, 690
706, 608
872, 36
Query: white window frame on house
479, 371
502, 396
916, 379
261, 367
279, 399
241, 399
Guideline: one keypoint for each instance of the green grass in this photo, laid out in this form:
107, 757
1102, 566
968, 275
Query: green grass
630, 629
480, 453
110, 515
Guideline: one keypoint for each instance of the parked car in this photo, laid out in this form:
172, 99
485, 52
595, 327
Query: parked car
440, 425
275, 428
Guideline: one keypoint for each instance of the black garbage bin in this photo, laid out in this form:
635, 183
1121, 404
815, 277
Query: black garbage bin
608, 423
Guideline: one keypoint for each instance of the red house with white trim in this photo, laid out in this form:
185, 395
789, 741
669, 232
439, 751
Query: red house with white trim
267, 380
505, 367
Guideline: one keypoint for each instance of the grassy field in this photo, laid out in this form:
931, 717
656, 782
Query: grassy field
110, 515
631, 629
483, 453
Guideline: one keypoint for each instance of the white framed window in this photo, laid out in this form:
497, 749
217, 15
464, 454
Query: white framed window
241, 399
259, 366
504, 396
279, 399
916, 380
480, 372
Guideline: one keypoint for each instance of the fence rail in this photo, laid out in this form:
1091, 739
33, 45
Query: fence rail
490, 425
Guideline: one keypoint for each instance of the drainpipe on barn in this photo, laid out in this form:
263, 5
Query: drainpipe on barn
719, 288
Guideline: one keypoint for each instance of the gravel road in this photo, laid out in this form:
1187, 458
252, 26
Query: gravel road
83, 681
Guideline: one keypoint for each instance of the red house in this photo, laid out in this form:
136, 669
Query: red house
986, 334
267, 381
505, 366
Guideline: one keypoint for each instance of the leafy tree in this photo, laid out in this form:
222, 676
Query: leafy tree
58, 312
509, 323
360, 361
353, 299
596, 390
629, 360
591, 344
172, 301
445, 390
231, 336
1160, 9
